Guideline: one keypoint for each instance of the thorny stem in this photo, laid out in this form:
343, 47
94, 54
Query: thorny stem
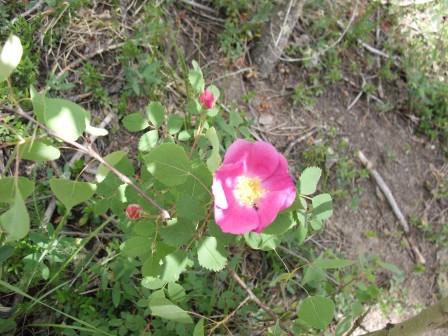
90, 151
256, 300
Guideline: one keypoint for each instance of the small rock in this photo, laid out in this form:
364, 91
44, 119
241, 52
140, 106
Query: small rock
266, 120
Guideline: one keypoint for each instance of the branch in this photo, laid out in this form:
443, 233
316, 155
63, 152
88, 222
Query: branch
432, 318
256, 300
96, 156
390, 198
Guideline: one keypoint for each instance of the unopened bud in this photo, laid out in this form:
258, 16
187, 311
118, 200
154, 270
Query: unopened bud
207, 99
134, 211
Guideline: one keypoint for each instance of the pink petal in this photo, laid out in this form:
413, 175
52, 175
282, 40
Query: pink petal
224, 182
238, 151
269, 208
263, 160
207, 99
260, 158
236, 219
281, 179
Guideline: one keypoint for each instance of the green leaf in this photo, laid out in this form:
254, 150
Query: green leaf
211, 254
164, 308
316, 224
309, 179
152, 266
156, 114
196, 81
175, 123
357, 308
215, 91
134, 122
6, 251
8, 188
333, 263
96, 131
176, 292
7, 326
194, 107
10, 56
199, 328
262, 241
144, 228
153, 283
148, 140
313, 274
184, 135
112, 159
16, 221
316, 311
284, 278
390, 267
65, 118
38, 102
173, 265
281, 224
344, 326
101, 206
302, 232
38, 150
213, 112
214, 161
116, 295
168, 163
190, 208
235, 119
323, 206
178, 231
136, 246
198, 183
72, 193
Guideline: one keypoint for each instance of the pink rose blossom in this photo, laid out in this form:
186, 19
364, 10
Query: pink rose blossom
251, 187
134, 211
207, 99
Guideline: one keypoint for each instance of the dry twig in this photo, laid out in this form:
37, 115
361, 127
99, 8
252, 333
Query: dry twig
256, 300
390, 198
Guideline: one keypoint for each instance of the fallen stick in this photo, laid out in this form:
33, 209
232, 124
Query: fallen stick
419, 258
432, 318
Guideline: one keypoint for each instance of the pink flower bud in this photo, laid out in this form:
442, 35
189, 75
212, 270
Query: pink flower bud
134, 211
207, 99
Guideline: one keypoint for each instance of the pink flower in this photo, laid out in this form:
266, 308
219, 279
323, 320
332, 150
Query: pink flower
207, 99
134, 211
251, 187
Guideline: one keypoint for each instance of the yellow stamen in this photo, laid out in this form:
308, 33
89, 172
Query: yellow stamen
249, 191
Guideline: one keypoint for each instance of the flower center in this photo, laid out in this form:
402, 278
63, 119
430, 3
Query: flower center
248, 190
